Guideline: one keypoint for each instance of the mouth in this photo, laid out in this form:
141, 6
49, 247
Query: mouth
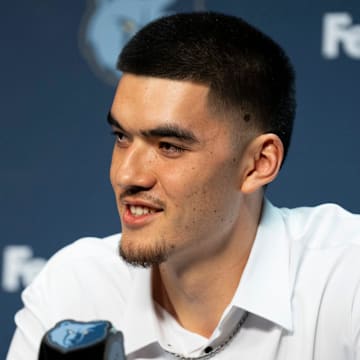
137, 210
139, 215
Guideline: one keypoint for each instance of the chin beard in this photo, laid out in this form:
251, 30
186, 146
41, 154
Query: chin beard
144, 257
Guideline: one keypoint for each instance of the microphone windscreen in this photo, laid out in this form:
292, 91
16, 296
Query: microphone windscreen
69, 340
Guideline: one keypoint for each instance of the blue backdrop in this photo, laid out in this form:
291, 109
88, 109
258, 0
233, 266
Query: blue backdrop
57, 82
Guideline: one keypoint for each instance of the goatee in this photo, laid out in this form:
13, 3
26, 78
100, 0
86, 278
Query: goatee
144, 257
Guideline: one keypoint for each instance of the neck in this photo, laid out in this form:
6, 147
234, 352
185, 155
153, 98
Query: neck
196, 292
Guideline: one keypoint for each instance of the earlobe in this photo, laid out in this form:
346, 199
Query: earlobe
264, 156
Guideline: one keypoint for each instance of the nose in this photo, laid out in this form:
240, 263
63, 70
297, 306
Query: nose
133, 167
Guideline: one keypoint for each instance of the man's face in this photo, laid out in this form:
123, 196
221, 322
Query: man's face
175, 171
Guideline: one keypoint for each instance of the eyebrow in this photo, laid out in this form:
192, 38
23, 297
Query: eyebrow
167, 130
112, 122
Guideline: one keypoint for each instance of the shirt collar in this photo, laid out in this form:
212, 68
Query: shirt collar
264, 288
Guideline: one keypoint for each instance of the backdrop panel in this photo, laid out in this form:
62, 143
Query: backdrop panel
58, 79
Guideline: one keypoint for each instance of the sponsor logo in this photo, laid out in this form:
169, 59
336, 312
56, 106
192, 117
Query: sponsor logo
108, 25
19, 267
339, 32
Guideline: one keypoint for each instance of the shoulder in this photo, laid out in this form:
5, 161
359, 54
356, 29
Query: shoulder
324, 249
322, 226
86, 280
88, 254
323, 244
83, 280
88, 247
88, 258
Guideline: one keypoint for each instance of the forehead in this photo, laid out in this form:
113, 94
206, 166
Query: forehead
148, 102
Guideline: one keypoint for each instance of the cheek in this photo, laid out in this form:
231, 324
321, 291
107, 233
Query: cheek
114, 165
205, 186
180, 182
112, 177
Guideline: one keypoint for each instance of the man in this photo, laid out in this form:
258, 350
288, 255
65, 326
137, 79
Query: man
202, 119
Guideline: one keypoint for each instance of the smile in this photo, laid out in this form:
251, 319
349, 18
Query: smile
136, 210
139, 213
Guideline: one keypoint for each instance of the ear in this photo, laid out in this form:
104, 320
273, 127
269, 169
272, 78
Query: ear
262, 162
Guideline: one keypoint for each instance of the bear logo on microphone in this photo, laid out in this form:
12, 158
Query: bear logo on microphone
69, 335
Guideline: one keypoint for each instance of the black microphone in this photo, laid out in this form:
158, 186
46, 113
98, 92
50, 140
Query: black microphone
69, 340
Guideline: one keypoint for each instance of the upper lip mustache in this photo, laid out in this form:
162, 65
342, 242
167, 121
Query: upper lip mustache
140, 202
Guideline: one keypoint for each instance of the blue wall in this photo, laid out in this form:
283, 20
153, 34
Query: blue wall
57, 84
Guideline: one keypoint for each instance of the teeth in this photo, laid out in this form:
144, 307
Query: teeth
140, 210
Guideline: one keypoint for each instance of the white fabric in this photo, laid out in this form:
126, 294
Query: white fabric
300, 286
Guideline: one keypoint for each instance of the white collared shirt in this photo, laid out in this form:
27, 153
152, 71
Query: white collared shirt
301, 287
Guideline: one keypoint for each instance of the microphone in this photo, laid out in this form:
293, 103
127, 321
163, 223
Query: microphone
70, 339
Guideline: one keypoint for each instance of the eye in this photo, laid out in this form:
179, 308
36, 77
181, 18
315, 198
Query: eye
170, 149
121, 138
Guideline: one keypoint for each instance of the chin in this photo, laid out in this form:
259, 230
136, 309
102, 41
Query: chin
141, 255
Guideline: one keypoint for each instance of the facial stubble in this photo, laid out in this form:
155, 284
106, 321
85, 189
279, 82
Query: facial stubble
145, 256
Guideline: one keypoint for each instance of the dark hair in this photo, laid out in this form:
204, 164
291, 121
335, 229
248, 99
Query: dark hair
246, 71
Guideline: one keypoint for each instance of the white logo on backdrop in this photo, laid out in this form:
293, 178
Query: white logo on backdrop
19, 267
108, 25
339, 32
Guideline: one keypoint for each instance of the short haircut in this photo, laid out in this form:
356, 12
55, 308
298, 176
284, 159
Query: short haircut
248, 74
